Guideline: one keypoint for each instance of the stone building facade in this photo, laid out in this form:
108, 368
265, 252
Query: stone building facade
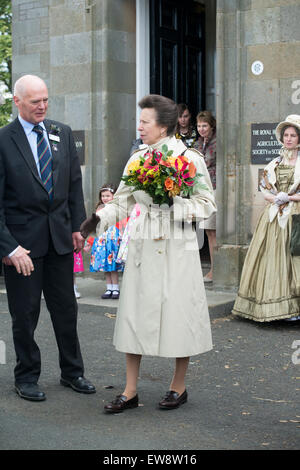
95, 58
249, 32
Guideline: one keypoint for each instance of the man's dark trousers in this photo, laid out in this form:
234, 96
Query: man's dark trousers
53, 274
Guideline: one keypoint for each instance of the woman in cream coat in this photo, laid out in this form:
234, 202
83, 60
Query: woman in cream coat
162, 307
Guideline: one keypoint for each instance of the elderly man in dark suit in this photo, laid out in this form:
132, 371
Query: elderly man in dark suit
41, 209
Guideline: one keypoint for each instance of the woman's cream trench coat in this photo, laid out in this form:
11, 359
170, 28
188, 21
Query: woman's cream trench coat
162, 307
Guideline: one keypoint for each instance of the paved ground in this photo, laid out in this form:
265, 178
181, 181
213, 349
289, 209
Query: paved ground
244, 394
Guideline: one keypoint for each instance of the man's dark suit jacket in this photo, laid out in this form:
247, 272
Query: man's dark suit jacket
27, 217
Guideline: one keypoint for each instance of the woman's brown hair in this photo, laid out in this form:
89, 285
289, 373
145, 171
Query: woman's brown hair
106, 187
206, 116
166, 111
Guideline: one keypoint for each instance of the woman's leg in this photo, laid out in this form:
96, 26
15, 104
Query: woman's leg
132, 372
172, 400
178, 384
212, 241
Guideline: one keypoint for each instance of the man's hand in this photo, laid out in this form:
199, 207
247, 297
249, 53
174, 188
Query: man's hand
78, 241
21, 261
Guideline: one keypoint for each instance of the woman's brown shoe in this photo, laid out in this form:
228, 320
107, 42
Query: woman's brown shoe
121, 403
173, 400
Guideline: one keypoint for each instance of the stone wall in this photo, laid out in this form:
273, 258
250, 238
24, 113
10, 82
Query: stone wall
249, 30
30, 38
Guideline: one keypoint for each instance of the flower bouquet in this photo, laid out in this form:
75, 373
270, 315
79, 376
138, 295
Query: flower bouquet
163, 176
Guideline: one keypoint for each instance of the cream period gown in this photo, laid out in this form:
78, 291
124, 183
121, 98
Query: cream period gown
270, 282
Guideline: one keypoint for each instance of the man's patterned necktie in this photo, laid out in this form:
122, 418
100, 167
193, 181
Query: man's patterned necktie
45, 160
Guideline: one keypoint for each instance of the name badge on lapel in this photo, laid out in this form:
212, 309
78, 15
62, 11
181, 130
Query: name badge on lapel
56, 138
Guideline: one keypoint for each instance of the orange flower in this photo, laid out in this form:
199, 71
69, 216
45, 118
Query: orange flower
148, 163
165, 163
192, 170
169, 184
175, 191
183, 159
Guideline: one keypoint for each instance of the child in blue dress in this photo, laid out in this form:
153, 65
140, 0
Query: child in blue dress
105, 249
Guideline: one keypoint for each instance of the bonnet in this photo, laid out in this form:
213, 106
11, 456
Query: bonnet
291, 120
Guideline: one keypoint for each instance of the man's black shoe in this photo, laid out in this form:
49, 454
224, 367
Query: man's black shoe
30, 391
79, 384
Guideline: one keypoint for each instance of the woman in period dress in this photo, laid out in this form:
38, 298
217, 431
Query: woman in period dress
270, 282
162, 309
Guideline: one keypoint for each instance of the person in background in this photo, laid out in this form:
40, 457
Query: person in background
78, 268
105, 248
185, 130
270, 282
207, 145
41, 210
135, 145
